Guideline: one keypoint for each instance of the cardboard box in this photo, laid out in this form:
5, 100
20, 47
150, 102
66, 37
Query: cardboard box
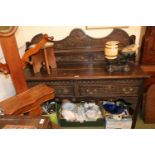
64, 123
125, 122
118, 124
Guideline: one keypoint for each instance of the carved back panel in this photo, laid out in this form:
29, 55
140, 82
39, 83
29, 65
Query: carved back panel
79, 49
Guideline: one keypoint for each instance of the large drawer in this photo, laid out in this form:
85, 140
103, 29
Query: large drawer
109, 88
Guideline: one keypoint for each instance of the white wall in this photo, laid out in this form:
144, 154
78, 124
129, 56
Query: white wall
6, 85
25, 33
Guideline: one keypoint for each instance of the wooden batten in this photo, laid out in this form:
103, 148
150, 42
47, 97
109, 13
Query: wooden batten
11, 54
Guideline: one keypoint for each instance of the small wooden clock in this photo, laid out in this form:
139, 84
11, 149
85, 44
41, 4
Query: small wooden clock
6, 31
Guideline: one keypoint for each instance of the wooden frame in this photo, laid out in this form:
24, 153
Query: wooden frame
104, 27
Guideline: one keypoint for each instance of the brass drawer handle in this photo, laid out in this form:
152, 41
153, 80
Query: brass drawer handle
127, 90
87, 90
109, 86
95, 90
91, 92
65, 91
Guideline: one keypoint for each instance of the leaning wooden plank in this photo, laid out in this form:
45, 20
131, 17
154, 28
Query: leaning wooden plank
28, 100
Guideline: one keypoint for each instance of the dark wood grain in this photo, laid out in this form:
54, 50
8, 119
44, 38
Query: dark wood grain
149, 105
148, 66
148, 47
79, 49
77, 39
77, 73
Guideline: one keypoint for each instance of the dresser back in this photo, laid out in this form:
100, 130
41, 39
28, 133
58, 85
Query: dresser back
79, 49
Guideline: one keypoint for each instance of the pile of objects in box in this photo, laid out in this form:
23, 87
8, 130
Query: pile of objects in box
69, 114
111, 114
117, 114
80, 112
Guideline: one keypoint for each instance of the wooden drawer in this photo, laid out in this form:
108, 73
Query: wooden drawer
62, 88
93, 88
108, 88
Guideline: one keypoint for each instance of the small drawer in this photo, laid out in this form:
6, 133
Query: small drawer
62, 89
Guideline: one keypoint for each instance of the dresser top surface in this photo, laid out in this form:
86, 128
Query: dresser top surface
80, 73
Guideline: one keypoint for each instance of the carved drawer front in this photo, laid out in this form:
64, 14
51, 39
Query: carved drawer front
62, 88
130, 82
92, 88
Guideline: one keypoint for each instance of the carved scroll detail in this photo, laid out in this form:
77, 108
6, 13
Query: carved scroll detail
78, 39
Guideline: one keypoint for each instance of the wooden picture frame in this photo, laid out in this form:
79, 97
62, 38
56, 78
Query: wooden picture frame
104, 27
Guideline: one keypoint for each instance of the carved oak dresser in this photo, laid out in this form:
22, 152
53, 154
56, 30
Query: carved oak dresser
81, 74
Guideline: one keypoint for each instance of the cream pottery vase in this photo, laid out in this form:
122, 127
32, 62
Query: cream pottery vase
111, 49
